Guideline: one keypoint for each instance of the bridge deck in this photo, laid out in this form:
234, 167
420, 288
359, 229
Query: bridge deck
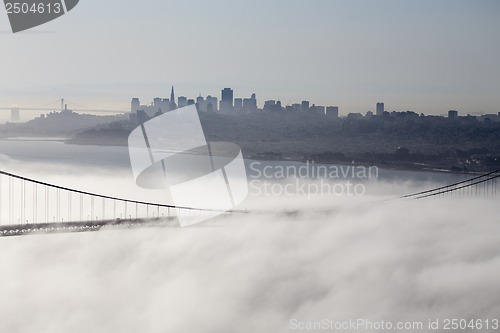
69, 227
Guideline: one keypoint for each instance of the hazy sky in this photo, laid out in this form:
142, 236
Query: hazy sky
427, 56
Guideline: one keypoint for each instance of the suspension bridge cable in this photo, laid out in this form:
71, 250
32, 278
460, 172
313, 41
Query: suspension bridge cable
79, 105
96, 195
451, 185
43, 105
459, 187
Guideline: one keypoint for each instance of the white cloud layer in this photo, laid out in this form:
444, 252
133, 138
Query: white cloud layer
398, 261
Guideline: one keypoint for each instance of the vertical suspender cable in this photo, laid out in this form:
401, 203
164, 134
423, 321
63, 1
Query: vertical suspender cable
24, 202
1, 194
10, 200
70, 203
81, 207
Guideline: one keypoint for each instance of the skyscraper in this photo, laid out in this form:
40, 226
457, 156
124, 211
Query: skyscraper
211, 104
201, 104
165, 105
250, 104
305, 106
157, 104
173, 106
380, 109
332, 111
182, 101
226, 103
238, 104
135, 105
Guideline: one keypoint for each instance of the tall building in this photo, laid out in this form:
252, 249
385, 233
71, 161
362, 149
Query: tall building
157, 104
305, 106
250, 104
182, 101
135, 105
226, 103
160, 105
172, 106
453, 114
380, 109
332, 111
272, 105
269, 105
201, 104
317, 109
140, 113
212, 103
165, 105
238, 104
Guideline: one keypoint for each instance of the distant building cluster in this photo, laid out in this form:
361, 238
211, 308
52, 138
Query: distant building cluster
228, 105
487, 118
305, 106
452, 114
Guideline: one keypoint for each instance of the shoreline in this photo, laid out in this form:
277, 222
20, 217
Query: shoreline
415, 166
419, 166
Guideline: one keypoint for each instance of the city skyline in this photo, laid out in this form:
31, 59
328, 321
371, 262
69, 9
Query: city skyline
230, 104
419, 55
227, 102
208, 103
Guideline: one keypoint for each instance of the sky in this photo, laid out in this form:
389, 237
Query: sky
426, 56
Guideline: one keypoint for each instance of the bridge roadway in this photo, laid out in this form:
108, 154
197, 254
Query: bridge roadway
86, 226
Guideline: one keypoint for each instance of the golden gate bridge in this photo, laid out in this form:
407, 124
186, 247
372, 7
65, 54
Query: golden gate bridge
30, 206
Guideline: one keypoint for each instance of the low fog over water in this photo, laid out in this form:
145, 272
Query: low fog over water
339, 258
